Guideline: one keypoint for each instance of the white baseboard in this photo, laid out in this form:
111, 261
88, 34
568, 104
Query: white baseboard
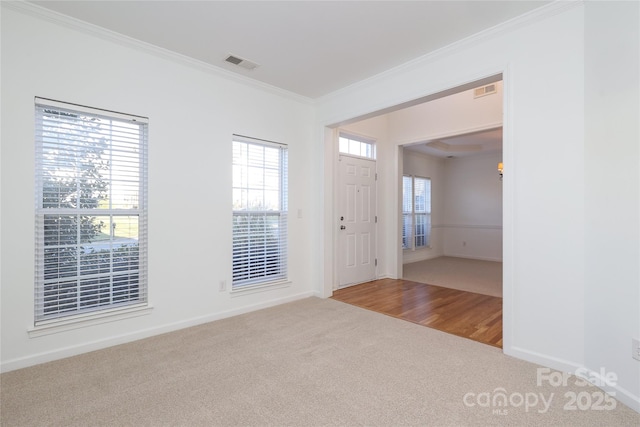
318, 294
479, 258
409, 261
86, 347
621, 394
416, 256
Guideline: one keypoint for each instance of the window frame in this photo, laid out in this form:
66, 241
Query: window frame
111, 277
259, 258
411, 214
356, 145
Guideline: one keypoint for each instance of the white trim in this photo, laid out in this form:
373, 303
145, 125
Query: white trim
443, 135
413, 98
354, 156
478, 258
528, 18
258, 141
86, 347
509, 258
88, 319
621, 394
112, 36
68, 106
480, 226
356, 136
331, 199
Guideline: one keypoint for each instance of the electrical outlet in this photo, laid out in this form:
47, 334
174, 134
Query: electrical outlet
222, 286
635, 349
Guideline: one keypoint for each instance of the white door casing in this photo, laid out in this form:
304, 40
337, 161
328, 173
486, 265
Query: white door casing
356, 221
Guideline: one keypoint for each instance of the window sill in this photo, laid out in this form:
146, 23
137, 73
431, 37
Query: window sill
82, 321
262, 287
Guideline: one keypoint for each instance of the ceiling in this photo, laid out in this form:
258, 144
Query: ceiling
472, 144
310, 48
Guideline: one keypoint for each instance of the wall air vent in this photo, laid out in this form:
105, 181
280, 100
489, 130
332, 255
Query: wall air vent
240, 62
485, 90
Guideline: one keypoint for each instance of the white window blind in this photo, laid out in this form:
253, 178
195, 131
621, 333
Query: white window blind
416, 212
259, 212
91, 216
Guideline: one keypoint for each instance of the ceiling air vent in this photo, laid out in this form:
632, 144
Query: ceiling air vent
485, 90
244, 63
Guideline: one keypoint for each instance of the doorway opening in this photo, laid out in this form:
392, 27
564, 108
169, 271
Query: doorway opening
357, 203
454, 140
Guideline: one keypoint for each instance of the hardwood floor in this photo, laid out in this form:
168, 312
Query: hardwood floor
474, 316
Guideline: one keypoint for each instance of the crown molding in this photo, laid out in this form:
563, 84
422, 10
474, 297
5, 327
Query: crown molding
528, 18
40, 12
531, 17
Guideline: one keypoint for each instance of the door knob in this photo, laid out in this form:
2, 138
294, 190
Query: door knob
342, 227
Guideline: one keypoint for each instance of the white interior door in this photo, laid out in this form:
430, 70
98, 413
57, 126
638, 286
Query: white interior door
357, 221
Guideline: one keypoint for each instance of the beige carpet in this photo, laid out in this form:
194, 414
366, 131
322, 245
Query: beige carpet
481, 277
307, 363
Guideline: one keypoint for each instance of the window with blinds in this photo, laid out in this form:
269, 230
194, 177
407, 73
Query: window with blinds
416, 212
259, 212
91, 227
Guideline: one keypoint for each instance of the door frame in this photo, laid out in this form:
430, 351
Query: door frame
332, 169
337, 251
327, 132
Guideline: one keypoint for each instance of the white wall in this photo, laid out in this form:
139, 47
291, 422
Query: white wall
472, 224
192, 114
570, 243
456, 114
612, 176
547, 299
